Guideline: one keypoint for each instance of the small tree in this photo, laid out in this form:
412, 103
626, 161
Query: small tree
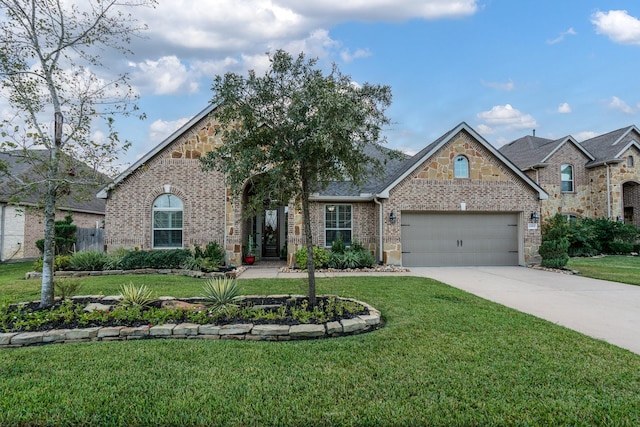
65, 236
298, 129
555, 245
48, 52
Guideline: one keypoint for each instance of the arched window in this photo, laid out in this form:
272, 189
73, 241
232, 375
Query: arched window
461, 167
566, 178
167, 222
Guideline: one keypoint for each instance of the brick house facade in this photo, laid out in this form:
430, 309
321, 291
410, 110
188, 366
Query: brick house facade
22, 221
604, 180
166, 195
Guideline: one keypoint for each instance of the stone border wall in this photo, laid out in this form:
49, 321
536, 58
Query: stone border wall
240, 331
174, 272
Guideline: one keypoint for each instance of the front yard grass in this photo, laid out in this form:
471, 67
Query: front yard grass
617, 268
445, 357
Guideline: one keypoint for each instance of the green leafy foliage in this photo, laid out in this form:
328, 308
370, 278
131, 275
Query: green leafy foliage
221, 293
89, 261
65, 236
60, 263
66, 287
589, 237
133, 296
320, 257
173, 258
207, 260
555, 245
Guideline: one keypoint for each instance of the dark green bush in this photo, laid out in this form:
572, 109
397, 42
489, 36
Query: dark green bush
173, 258
65, 237
589, 237
555, 245
617, 247
320, 257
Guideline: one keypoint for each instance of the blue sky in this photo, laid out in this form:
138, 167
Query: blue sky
505, 67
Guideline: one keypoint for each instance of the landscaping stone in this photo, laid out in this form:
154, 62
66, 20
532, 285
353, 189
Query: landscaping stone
108, 332
162, 330
353, 325
76, 334
97, 306
27, 338
334, 328
114, 298
55, 335
307, 330
5, 337
186, 329
139, 331
370, 319
270, 330
209, 330
238, 329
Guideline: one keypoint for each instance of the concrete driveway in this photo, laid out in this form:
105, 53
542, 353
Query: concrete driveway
604, 310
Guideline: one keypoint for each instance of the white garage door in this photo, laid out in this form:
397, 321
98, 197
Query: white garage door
459, 239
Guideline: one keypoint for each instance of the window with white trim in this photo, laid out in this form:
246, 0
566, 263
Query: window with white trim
461, 167
629, 161
337, 220
167, 222
566, 178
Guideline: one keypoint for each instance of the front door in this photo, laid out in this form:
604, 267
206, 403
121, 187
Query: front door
271, 235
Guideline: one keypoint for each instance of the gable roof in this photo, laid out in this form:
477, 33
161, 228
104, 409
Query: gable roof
609, 147
533, 152
411, 164
19, 171
104, 191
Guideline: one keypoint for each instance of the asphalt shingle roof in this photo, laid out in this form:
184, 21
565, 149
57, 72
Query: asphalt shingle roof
81, 197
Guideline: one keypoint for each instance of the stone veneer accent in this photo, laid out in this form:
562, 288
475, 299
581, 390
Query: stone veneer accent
243, 331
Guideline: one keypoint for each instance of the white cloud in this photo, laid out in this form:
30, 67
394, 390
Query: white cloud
569, 32
507, 117
618, 25
506, 86
168, 75
485, 130
584, 135
161, 129
564, 108
618, 104
347, 56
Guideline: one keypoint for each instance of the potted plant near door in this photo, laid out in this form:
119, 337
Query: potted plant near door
250, 251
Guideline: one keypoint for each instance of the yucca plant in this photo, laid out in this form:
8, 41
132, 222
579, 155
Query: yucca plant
221, 293
133, 296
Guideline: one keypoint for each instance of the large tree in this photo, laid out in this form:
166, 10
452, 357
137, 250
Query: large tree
293, 130
50, 51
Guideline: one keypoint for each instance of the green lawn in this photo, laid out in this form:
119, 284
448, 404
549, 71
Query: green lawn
618, 268
444, 357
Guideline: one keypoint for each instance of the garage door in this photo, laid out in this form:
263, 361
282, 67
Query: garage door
459, 239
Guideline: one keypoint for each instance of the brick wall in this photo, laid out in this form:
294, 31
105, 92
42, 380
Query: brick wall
491, 187
577, 202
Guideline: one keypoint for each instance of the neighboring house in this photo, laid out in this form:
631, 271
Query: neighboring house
459, 201
21, 219
595, 178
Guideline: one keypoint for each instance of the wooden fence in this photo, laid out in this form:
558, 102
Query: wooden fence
89, 239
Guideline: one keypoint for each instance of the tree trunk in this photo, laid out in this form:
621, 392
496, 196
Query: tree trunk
306, 221
46, 292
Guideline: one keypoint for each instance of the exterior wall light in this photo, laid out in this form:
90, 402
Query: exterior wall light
392, 218
534, 217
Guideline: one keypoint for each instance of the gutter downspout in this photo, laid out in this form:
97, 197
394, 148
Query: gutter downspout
608, 192
2, 231
380, 219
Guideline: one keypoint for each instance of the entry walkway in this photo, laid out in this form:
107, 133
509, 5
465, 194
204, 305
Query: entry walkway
604, 310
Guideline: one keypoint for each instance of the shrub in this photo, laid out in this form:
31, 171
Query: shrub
89, 261
555, 245
64, 236
221, 293
133, 296
66, 287
173, 258
338, 246
60, 263
617, 247
320, 257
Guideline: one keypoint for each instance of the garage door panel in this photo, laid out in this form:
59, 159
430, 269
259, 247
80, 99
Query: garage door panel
449, 239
